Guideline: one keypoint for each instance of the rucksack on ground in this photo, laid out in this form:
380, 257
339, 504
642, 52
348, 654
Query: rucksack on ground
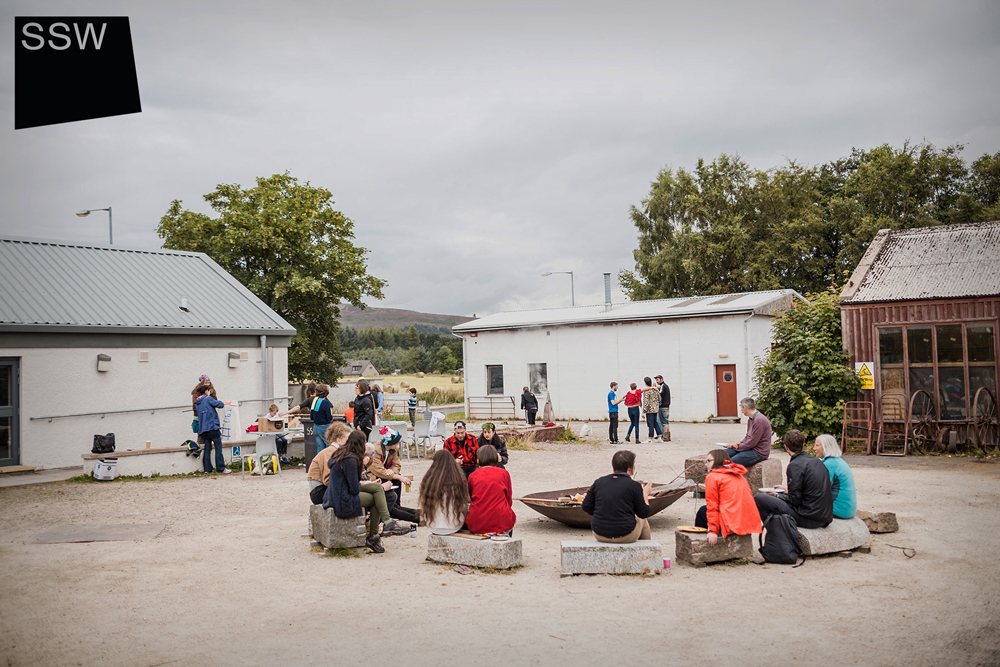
782, 543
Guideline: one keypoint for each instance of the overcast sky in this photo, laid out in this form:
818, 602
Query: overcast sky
476, 146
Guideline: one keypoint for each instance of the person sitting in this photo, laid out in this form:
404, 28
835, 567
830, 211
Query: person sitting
492, 496
491, 437
444, 495
463, 447
319, 470
808, 498
348, 497
729, 507
385, 466
845, 500
618, 504
281, 441
756, 445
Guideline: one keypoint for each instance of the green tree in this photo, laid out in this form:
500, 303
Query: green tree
412, 361
444, 360
411, 338
804, 382
284, 241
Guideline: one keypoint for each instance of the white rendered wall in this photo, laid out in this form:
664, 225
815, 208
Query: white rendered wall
65, 381
583, 360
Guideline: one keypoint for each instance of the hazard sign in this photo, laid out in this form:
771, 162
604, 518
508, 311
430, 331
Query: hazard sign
863, 369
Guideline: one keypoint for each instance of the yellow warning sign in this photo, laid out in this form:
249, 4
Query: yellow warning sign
863, 369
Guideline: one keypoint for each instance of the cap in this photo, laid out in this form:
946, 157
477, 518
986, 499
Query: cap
658, 376
460, 423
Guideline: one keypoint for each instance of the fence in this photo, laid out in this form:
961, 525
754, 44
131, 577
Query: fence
491, 407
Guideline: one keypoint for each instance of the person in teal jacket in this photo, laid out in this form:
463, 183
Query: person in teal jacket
845, 499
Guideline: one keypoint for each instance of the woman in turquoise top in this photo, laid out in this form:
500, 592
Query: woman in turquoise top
845, 500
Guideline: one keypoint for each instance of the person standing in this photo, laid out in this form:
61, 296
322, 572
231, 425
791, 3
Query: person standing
651, 408
633, 400
364, 408
530, 406
756, 446
209, 429
613, 402
664, 408
411, 406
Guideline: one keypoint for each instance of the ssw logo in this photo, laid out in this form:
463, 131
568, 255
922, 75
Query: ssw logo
36, 32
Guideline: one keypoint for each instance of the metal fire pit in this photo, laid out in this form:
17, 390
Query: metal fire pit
548, 504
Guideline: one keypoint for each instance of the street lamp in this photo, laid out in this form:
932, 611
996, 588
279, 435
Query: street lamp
572, 293
87, 211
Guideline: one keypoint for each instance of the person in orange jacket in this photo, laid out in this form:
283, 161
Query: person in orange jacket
729, 506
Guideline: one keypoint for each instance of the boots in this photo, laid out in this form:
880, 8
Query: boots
666, 433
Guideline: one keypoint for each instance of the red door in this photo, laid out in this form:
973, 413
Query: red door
725, 391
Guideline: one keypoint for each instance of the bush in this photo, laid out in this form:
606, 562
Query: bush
805, 381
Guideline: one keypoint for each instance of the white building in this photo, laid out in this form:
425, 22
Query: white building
97, 340
705, 348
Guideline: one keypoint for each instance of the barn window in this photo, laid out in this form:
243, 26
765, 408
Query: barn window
538, 378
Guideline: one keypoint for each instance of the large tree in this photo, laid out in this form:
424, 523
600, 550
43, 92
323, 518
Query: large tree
285, 242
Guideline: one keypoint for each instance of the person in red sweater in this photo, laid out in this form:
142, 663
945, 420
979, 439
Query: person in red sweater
633, 400
729, 506
492, 496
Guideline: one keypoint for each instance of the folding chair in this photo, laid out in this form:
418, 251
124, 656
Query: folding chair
266, 445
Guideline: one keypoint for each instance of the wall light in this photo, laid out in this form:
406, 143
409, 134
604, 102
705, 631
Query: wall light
234, 359
103, 363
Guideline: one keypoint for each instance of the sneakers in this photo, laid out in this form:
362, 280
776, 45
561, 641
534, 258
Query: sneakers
226, 471
393, 527
374, 542
284, 460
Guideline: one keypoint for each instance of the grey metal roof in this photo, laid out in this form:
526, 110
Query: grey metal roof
943, 262
52, 286
763, 303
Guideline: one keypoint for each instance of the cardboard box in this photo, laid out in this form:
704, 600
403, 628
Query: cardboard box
270, 425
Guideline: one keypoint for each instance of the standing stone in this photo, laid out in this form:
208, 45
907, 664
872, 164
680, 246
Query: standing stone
328, 530
694, 468
764, 474
840, 535
693, 548
879, 522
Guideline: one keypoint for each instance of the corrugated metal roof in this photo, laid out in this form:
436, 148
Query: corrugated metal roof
659, 309
51, 286
930, 263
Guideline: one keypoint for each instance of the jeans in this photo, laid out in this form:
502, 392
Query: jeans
664, 416
653, 422
213, 437
613, 427
746, 458
768, 505
530, 415
319, 432
633, 423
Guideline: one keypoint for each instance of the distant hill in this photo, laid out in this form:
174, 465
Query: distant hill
373, 318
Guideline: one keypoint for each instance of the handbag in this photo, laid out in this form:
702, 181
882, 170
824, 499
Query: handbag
194, 425
103, 444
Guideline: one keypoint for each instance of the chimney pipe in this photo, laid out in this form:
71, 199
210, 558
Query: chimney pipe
607, 292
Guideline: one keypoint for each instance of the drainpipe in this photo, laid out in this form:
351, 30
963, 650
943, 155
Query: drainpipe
746, 354
263, 373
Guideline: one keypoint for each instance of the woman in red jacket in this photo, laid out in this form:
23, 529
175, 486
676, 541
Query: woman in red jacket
729, 505
492, 497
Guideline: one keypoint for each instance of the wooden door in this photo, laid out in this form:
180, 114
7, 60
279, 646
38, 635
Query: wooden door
725, 391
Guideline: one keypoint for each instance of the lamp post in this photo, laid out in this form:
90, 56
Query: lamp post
87, 211
572, 293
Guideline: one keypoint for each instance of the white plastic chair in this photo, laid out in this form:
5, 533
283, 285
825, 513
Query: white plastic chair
424, 434
266, 445
421, 432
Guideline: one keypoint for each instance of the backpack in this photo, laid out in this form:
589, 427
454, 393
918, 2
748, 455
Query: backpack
782, 544
103, 444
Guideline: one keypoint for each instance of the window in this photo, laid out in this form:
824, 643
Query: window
494, 380
982, 359
951, 370
920, 354
891, 373
538, 379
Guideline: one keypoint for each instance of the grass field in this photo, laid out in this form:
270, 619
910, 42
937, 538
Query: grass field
426, 383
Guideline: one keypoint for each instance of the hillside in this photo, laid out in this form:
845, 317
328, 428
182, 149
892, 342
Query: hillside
373, 317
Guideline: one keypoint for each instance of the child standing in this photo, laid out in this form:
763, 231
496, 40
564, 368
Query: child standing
411, 405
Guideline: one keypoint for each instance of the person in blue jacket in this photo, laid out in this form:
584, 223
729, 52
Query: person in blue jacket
209, 428
845, 499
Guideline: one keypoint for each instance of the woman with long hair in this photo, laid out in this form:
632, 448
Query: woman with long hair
347, 495
490, 436
444, 495
492, 497
729, 506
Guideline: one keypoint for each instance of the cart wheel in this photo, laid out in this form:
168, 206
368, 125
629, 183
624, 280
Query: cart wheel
985, 422
921, 422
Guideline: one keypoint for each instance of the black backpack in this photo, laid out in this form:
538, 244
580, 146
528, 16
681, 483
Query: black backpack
782, 544
103, 444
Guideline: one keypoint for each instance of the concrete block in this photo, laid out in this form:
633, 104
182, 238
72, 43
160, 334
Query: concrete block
477, 553
840, 535
879, 522
764, 474
694, 468
693, 548
593, 557
330, 531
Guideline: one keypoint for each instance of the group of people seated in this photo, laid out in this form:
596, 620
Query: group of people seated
352, 475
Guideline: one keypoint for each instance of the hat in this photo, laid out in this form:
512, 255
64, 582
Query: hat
204, 378
460, 423
658, 376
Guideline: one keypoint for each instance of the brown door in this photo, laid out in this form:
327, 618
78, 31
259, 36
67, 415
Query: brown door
725, 391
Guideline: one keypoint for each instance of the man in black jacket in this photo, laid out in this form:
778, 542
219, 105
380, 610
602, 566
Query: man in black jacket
618, 504
530, 406
664, 408
809, 497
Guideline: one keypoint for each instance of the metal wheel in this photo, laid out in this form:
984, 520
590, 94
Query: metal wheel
921, 423
986, 421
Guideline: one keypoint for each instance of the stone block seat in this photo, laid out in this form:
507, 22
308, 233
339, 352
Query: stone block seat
593, 557
328, 530
840, 535
499, 555
763, 474
693, 548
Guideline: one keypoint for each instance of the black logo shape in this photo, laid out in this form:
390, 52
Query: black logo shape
69, 68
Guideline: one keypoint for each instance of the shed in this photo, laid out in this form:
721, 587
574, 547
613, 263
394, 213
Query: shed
704, 346
100, 339
921, 309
